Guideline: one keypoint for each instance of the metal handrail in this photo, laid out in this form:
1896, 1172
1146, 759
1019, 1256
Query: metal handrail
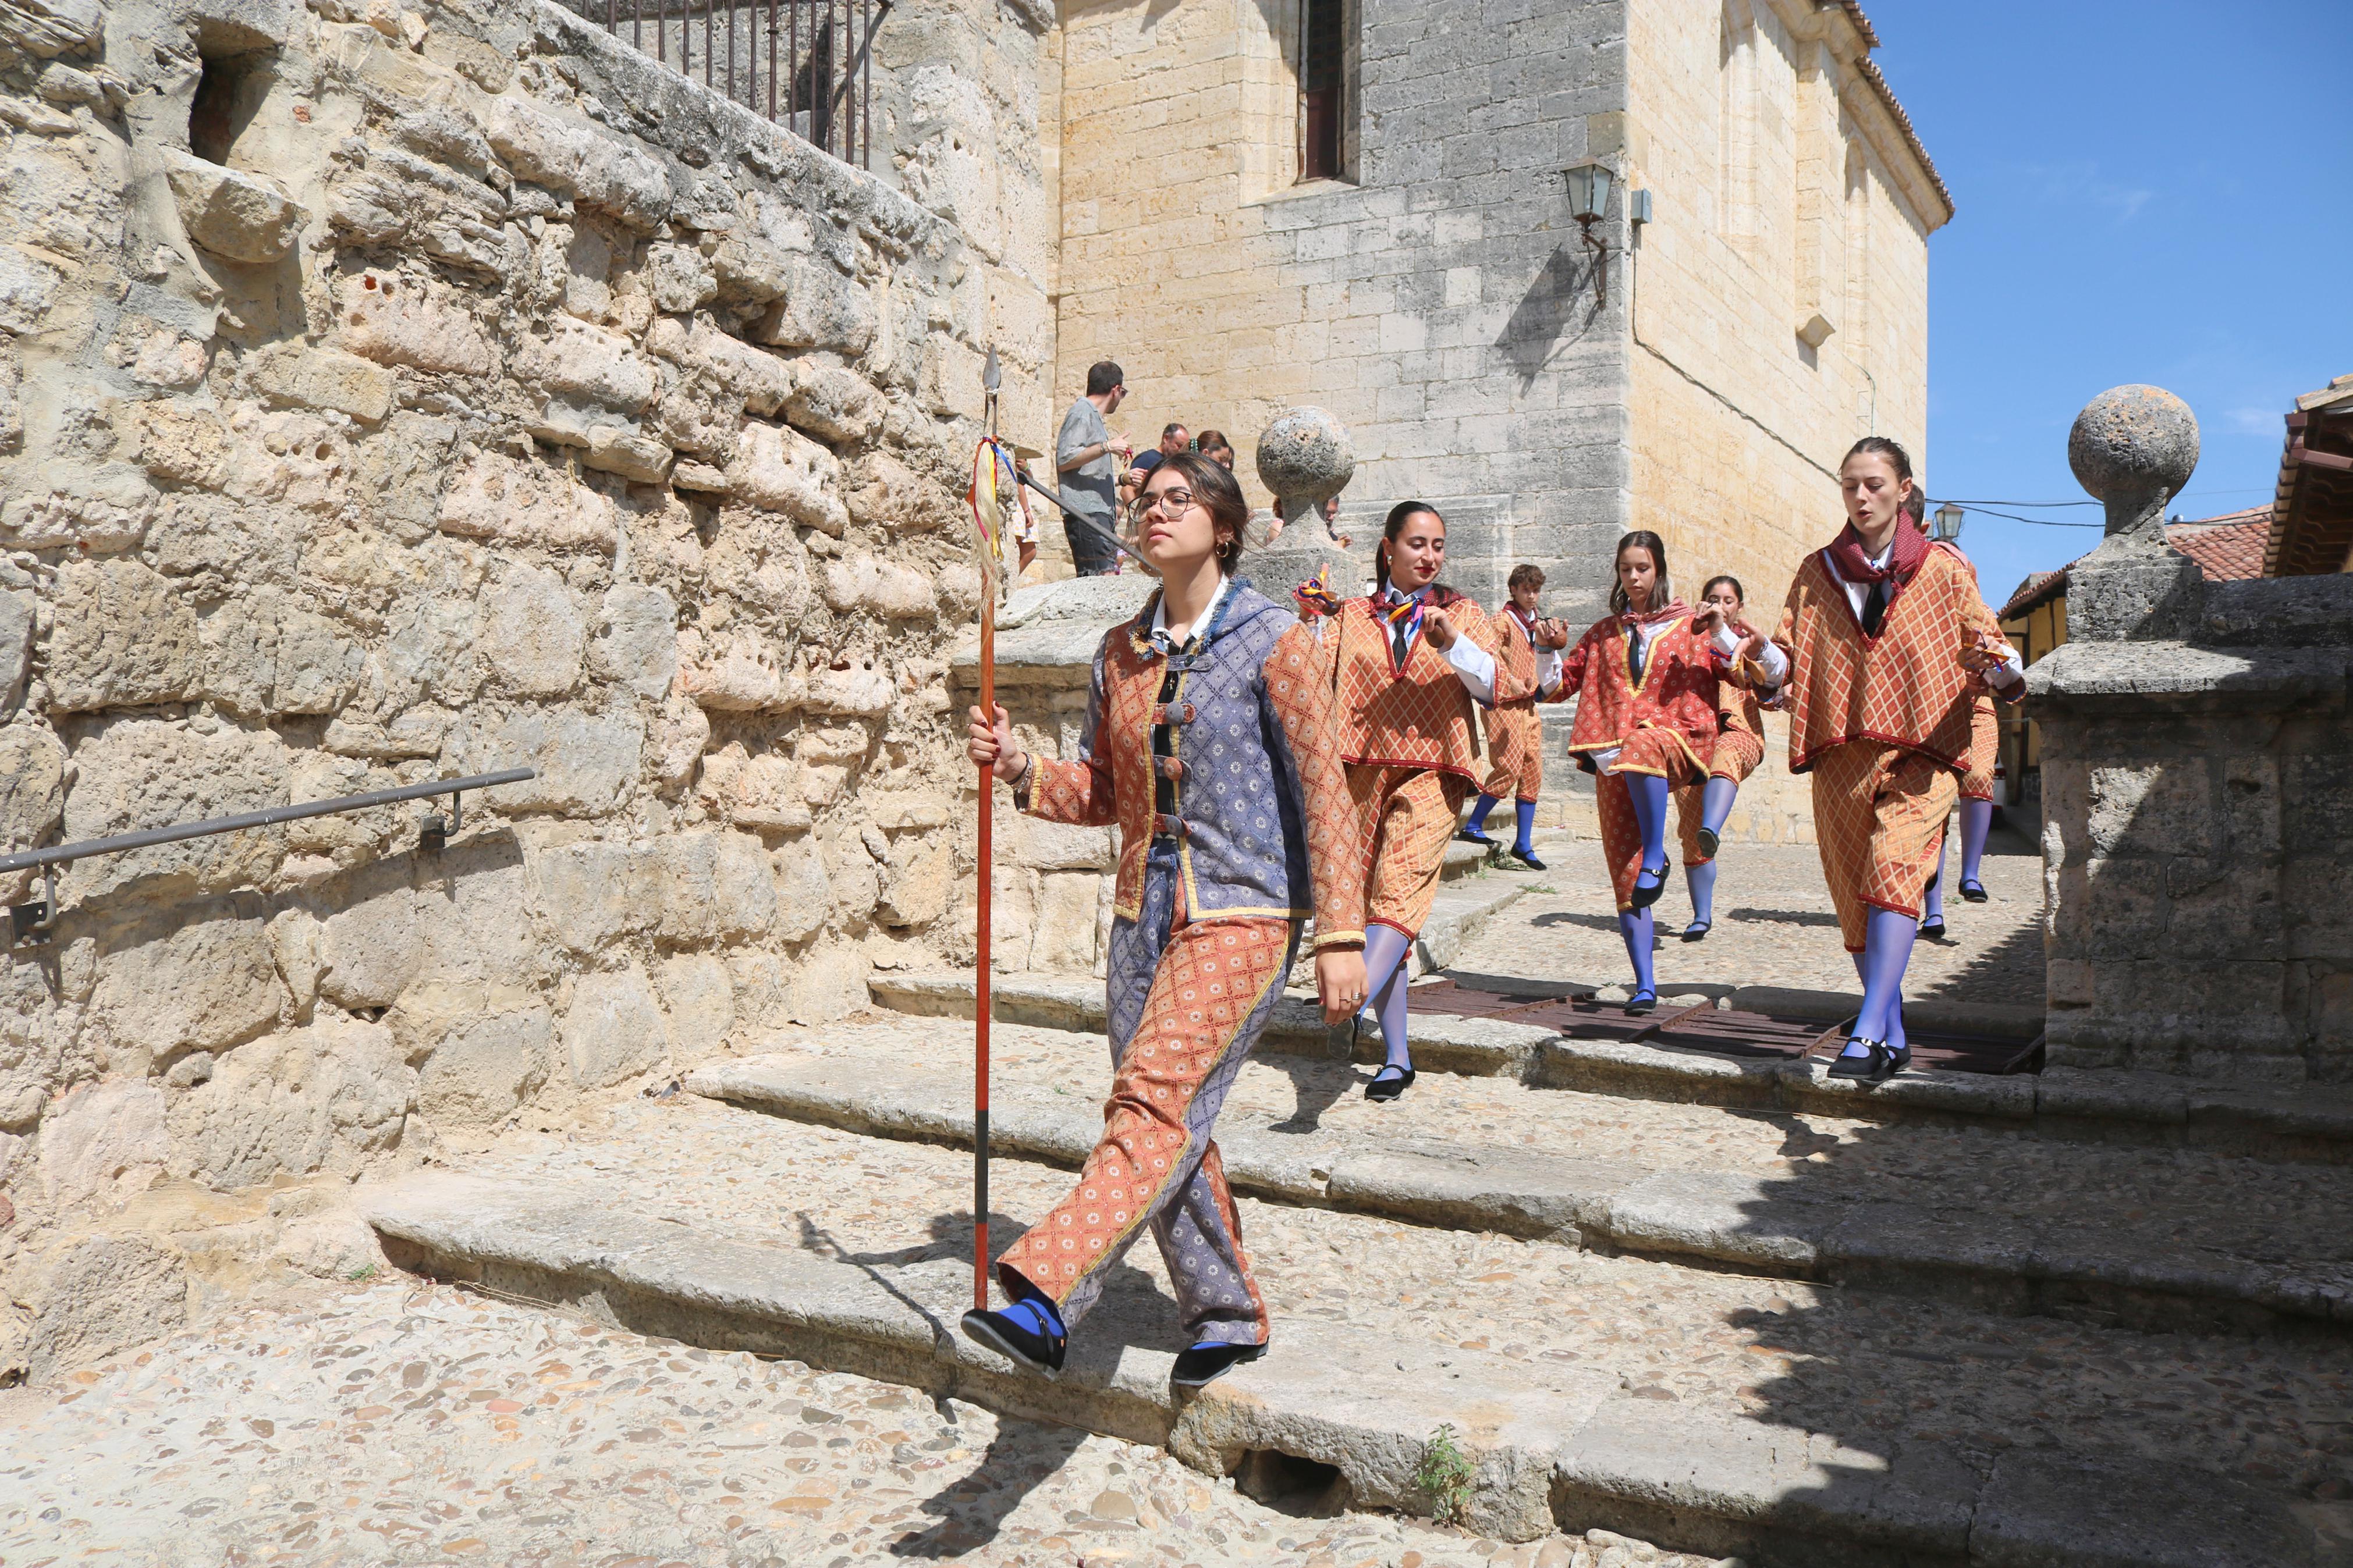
66, 854
31, 920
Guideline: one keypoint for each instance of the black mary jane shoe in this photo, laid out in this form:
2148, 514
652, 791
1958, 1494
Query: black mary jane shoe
1640, 1003
1933, 930
1468, 836
1697, 931
1384, 1088
1642, 897
1008, 1337
1206, 1364
1876, 1066
1708, 843
1974, 890
1528, 858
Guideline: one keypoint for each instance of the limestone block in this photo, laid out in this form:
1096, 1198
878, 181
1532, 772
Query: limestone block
586, 895
957, 590
860, 584
750, 271
589, 361
738, 675
431, 651
316, 668
26, 289
236, 216
951, 377
700, 1005
304, 377
1046, 846
394, 320
136, 773
323, 1097
207, 983
613, 1029
571, 155
500, 497
857, 692
759, 564
636, 639
917, 890
584, 761
532, 632
587, 271
804, 893
825, 984
101, 1145
484, 1050
680, 733
781, 470
99, 507
123, 638
714, 886
262, 655
820, 309
641, 459
474, 914
16, 618
371, 950
834, 404
887, 493
766, 791
2159, 809
32, 784
46, 27
179, 442
101, 1295
1065, 932
678, 276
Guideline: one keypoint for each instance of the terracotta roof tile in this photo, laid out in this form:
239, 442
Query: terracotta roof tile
2227, 548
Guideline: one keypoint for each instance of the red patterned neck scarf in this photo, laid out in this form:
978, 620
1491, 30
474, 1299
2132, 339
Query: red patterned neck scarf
1674, 612
1854, 561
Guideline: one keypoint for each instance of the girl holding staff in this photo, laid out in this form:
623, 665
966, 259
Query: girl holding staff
1218, 867
1411, 664
1647, 678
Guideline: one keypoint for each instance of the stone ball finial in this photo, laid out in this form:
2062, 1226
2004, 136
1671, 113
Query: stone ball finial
2132, 448
1303, 457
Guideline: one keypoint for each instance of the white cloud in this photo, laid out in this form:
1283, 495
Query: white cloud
2078, 183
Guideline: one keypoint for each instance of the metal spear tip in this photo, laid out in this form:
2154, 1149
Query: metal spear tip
992, 375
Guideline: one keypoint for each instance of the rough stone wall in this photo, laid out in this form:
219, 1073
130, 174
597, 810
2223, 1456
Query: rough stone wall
2198, 828
391, 391
1442, 306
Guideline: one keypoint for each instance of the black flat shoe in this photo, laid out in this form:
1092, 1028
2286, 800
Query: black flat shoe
1697, 931
1643, 897
1708, 843
1206, 1363
1010, 1339
1875, 1067
1974, 892
1641, 1002
1481, 839
1932, 930
1900, 1056
1384, 1087
1528, 858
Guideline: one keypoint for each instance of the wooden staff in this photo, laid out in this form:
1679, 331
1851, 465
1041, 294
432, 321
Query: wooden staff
990, 376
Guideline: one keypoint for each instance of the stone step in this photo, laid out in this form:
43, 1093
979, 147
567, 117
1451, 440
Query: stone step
2303, 1123
1550, 1444
2270, 1255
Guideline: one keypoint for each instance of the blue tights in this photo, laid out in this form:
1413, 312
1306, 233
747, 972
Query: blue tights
1648, 792
1637, 926
1385, 984
1977, 826
1886, 949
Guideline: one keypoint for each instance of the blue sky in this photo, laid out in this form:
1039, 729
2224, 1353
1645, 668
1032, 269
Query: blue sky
2151, 191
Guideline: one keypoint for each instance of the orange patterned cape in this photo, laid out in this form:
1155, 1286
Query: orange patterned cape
1264, 821
1421, 716
1515, 660
1679, 690
1906, 687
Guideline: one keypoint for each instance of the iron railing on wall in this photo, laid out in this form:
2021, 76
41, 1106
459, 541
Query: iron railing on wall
805, 65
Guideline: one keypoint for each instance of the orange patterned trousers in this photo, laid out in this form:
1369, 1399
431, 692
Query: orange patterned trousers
1188, 1001
1985, 742
1647, 750
1879, 824
1515, 744
1405, 816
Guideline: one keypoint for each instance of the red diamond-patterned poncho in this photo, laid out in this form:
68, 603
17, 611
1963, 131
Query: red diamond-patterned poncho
1680, 689
1906, 687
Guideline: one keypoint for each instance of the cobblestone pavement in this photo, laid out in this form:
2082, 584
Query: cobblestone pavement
402, 1422
1774, 926
2212, 1205
1874, 1370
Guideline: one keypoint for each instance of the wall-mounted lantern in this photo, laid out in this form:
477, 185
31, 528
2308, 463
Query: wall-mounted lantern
1588, 203
1947, 528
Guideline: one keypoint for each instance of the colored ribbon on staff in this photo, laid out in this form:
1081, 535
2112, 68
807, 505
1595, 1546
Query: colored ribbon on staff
995, 493
1315, 597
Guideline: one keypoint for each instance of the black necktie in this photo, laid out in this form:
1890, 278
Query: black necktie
1635, 653
1875, 607
1401, 637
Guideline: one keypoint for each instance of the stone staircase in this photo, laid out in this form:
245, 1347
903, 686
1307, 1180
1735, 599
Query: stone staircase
2046, 1328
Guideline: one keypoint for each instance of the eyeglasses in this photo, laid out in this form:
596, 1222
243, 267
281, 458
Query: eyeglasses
1172, 502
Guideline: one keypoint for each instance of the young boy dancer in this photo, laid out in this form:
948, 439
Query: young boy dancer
1528, 648
1408, 663
1701, 809
1883, 645
1210, 741
1647, 682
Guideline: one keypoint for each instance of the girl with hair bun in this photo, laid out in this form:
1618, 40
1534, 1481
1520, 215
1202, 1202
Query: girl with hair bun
1647, 679
1700, 808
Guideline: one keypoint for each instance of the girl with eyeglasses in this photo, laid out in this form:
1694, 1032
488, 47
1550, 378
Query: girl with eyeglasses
1213, 743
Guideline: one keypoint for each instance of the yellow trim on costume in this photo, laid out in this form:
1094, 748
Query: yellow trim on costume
1334, 939
1249, 912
